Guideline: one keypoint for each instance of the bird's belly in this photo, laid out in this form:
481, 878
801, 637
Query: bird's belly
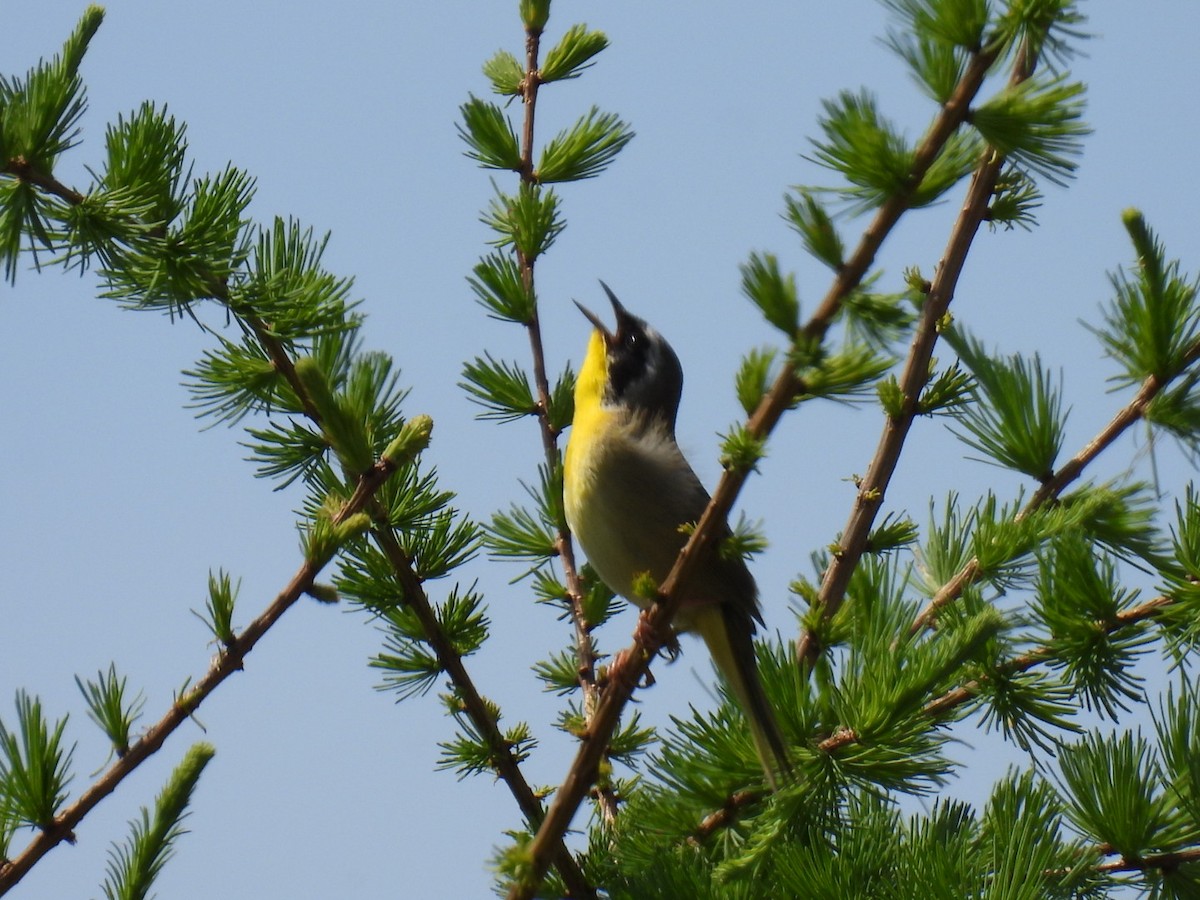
613, 504
612, 545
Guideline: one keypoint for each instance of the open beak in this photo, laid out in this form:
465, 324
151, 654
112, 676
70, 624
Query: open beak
622, 316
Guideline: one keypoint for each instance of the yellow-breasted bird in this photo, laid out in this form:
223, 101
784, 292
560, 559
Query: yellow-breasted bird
628, 489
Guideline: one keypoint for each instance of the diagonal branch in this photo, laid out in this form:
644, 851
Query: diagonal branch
938, 710
873, 486
1164, 861
19, 167
475, 707
229, 660
940, 706
653, 628
1053, 486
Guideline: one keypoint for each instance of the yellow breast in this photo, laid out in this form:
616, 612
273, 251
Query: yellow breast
615, 473
588, 427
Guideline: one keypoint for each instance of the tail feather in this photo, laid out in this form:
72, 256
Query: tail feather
730, 642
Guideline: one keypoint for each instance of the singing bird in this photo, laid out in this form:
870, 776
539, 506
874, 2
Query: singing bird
628, 490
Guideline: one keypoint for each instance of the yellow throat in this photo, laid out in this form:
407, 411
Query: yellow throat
587, 427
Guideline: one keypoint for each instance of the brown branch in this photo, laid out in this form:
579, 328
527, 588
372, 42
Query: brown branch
529, 91
729, 812
216, 288
1131, 413
726, 815
1052, 487
941, 706
278, 355
953, 114
503, 761
20, 168
873, 488
585, 650
231, 657
224, 664
1164, 861
654, 624
1134, 410
450, 660
937, 709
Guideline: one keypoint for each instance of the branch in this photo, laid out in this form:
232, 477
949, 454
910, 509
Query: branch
230, 659
954, 113
19, 167
476, 708
725, 816
1053, 486
873, 488
1164, 861
937, 709
653, 628
728, 813
529, 92
216, 288
585, 650
227, 661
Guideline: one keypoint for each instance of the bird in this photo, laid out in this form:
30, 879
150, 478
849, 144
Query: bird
629, 494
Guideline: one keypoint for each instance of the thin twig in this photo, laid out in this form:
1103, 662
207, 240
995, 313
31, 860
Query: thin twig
1052, 487
529, 92
585, 651
230, 660
225, 663
916, 373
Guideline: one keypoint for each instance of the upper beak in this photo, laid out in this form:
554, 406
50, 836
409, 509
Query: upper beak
622, 315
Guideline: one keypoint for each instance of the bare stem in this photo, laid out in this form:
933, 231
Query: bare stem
1164, 861
20, 168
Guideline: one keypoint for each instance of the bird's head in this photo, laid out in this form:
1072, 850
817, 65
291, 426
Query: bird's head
631, 367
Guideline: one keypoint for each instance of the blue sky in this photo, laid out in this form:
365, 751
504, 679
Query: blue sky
117, 504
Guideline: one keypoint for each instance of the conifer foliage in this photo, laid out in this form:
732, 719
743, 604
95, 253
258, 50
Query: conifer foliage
1023, 613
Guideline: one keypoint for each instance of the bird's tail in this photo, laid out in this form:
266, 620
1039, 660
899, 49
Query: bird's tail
731, 644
